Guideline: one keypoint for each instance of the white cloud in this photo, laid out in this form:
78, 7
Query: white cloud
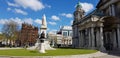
53, 30
0, 32
71, 22
32, 4
48, 6
3, 21
48, 29
17, 20
38, 21
52, 23
28, 20
87, 6
8, 9
68, 15
55, 18
12, 4
20, 11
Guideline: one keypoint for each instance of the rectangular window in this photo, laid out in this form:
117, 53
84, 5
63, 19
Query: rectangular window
70, 33
65, 33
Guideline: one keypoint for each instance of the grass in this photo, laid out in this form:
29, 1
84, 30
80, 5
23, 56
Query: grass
57, 52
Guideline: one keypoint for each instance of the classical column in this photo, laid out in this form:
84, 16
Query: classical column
79, 38
93, 37
98, 38
89, 37
113, 10
110, 12
114, 39
101, 38
118, 35
83, 38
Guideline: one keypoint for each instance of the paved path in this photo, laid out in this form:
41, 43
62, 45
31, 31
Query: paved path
10, 48
111, 54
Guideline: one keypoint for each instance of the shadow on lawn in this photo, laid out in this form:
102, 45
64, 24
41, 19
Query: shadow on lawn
75, 48
33, 51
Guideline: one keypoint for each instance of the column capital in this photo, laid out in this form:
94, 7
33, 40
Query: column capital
101, 25
92, 25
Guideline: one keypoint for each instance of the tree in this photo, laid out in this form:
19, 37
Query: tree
1, 36
9, 30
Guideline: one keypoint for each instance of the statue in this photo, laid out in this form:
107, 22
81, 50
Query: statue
42, 36
42, 44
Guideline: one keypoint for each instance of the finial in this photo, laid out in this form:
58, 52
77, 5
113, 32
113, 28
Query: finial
79, 4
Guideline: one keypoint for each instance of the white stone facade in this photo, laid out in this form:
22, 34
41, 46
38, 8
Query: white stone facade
100, 29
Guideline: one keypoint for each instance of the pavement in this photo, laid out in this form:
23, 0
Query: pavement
9, 48
111, 54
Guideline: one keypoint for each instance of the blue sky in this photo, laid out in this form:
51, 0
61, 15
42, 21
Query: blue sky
58, 12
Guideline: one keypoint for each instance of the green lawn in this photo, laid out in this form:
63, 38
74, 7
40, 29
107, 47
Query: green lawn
23, 52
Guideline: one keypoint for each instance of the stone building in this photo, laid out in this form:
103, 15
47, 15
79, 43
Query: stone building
28, 34
100, 29
62, 37
66, 38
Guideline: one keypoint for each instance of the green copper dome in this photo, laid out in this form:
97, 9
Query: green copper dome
79, 5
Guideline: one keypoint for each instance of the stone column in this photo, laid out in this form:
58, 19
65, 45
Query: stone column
114, 39
93, 37
89, 38
113, 10
82, 39
98, 38
118, 35
79, 38
101, 38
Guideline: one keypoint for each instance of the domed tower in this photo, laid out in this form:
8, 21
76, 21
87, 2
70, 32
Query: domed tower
43, 27
79, 13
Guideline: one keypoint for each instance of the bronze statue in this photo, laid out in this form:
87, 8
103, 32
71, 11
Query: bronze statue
42, 35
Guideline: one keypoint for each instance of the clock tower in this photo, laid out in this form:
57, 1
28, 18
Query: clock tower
79, 13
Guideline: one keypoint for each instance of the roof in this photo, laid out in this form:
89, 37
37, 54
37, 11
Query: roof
66, 28
96, 12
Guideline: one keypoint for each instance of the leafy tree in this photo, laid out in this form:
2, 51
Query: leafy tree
9, 30
1, 36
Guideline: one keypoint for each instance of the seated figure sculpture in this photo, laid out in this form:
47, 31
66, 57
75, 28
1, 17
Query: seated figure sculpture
42, 36
41, 44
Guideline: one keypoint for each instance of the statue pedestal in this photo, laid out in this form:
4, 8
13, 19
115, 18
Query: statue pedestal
42, 48
41, 45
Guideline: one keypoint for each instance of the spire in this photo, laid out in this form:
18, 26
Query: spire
44, 23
